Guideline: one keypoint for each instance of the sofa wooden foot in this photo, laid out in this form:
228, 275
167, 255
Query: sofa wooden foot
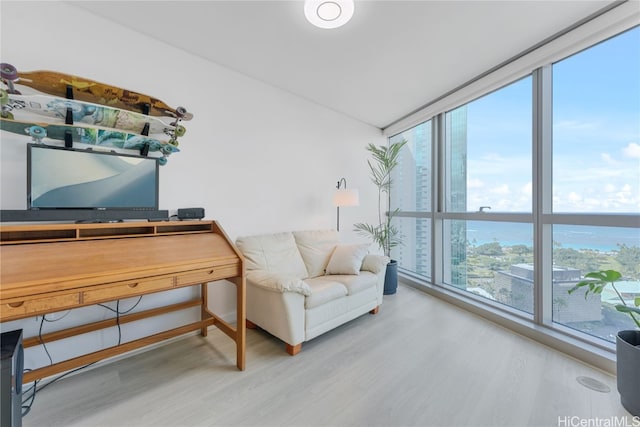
375, 310
249, 324
293, 349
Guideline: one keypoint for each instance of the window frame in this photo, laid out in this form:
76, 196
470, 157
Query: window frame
540, 324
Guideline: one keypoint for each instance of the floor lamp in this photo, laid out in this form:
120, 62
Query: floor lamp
344, 197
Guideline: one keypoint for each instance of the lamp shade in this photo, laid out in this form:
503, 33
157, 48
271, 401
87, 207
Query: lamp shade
346, 197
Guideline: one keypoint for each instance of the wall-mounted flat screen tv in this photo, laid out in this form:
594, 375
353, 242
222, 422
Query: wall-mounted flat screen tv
63, 178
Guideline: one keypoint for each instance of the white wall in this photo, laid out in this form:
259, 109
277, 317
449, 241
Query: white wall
256, 158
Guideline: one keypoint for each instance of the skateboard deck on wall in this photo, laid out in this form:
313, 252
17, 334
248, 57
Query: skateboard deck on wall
80, 88
88, 135
88, 113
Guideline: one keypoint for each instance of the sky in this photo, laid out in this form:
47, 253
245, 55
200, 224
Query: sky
596, 135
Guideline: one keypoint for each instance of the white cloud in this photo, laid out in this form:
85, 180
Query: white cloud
595, 204
475, 183
493, 157
606, 157
624, 198
501, 189
574, 197
632, 150
574, 125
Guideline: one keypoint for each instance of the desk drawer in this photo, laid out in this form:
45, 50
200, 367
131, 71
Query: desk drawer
127, 289
17, 309
208, 275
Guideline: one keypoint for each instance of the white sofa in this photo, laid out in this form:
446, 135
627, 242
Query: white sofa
302, 284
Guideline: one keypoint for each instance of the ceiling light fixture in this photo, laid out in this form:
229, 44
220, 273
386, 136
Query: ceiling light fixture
328, 13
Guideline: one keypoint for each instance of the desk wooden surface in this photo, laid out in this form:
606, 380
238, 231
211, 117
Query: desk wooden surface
30, 269
48, 268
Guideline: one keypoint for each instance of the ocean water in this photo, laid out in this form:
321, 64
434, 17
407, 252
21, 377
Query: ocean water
604, 239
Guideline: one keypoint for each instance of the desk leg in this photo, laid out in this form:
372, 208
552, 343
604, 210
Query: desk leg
241, 327
204, 289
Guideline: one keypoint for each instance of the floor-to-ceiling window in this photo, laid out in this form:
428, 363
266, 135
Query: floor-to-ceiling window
412, 183
531, 186
596, 180
487, 221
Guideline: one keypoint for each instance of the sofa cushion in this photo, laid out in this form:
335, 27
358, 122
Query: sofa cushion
316, 247
347, 259
355, 284
323, 290
276, 253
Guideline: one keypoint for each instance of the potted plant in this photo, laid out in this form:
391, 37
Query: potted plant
627, 341
384, 233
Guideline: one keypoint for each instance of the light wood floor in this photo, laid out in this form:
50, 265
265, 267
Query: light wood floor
418, 362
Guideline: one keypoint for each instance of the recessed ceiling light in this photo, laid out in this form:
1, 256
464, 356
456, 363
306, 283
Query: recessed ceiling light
328, 13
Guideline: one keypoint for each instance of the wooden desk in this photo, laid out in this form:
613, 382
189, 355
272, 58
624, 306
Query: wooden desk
54, 267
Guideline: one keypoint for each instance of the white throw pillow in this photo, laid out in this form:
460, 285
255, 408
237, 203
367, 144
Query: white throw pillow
347, 259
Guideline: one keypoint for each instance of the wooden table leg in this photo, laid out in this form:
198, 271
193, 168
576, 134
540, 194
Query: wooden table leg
204, 292
241, 327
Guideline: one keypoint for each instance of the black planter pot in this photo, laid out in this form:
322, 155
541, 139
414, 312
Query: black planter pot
391, 278
628, 370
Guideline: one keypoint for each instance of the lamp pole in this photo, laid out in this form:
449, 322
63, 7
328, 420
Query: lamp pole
338, 207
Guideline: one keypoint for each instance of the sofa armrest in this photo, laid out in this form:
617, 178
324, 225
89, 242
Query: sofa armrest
375, 263
277, 282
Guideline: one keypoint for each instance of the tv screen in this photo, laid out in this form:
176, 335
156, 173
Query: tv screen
63, 178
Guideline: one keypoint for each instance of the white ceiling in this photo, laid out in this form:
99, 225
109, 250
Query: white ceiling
392, 58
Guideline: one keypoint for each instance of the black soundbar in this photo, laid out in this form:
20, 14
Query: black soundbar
81, 215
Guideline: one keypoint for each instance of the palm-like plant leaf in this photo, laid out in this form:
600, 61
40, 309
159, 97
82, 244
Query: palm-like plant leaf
385, 159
